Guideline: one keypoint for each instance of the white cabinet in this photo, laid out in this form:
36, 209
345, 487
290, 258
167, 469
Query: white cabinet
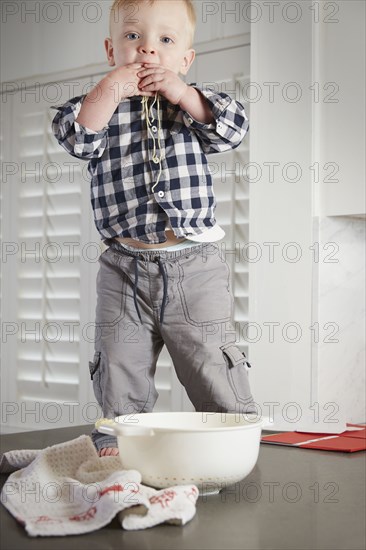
340, 111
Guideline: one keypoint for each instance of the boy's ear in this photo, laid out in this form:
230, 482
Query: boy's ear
109, 50
187, 61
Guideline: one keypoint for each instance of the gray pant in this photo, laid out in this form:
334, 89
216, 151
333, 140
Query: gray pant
182, 299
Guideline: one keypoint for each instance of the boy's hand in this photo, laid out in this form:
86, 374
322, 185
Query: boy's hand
155, 78
101, 102
125, 82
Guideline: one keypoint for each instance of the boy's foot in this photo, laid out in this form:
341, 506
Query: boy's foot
108, 451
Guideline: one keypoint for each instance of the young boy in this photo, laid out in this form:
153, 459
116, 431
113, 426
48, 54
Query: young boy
163, 279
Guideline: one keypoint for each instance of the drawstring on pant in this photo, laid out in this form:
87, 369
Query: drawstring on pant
134, 289
165, 288
165, 281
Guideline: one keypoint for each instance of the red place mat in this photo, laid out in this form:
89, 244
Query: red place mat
349, 441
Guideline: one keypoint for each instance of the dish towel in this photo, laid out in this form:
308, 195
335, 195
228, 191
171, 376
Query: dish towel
67, 489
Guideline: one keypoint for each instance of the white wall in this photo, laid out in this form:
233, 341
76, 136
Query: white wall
339, 311
38, 38
280, 213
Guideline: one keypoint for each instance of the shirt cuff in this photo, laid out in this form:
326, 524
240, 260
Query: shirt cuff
79, 128
218, 105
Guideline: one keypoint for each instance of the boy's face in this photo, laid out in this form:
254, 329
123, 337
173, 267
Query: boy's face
151, 33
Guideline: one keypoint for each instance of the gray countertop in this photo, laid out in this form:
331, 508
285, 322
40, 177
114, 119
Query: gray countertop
293, 499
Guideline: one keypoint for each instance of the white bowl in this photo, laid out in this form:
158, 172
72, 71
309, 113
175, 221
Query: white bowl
209, 450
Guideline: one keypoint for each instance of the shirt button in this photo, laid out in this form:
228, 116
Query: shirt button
161, 194
154, 129
190, 120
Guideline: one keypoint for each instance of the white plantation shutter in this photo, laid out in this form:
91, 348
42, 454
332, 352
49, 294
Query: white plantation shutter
230, 180
8, 263
53, 299
232, 215
240, 269
53, 272
2, 124
48, 291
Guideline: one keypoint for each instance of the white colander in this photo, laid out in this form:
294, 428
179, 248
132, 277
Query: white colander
209, 450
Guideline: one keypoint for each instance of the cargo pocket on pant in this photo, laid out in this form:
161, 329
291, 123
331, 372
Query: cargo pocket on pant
94, 365
95, 376
237, 372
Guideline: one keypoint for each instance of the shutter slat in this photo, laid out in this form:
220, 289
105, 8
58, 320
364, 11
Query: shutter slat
54, 308
61, 372
55, 392
63, 268
59, 352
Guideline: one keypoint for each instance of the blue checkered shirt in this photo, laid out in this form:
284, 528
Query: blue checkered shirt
123, 173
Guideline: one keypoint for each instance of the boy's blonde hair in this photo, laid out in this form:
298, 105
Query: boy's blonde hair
117, 4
